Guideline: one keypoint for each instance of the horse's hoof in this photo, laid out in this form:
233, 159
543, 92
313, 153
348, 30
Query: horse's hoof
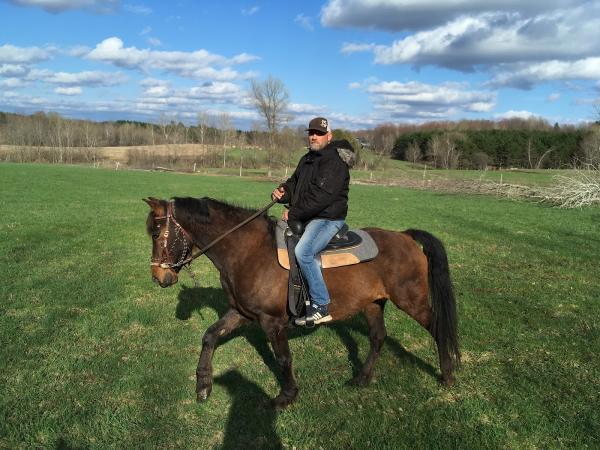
448, 381
359, 381
279, 404
203, 394
283, 400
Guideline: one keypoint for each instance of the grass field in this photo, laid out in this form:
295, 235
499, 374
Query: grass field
254, 163
95, 356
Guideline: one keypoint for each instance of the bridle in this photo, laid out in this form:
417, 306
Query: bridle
188, 241
165, 261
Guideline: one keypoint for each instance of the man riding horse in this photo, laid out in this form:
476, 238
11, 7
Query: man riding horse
317, 194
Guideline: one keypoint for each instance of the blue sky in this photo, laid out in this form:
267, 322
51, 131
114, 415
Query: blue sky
358, 62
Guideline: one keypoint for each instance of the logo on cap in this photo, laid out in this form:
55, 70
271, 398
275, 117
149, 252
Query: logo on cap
324, 123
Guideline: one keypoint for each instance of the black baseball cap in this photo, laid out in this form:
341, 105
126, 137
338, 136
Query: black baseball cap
319, 124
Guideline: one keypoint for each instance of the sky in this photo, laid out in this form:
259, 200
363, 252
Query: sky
359, 63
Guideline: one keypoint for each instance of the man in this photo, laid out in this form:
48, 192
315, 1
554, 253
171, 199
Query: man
317, 194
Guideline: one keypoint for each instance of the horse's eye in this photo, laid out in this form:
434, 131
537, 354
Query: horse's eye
155, 234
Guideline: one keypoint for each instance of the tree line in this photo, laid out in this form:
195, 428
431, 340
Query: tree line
479, 144
53, 130
532, 143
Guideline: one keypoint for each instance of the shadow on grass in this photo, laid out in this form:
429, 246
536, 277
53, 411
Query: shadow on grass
358, 324
251, 421
195, 299
62, 444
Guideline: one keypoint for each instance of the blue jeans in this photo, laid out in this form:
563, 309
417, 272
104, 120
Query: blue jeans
316, 236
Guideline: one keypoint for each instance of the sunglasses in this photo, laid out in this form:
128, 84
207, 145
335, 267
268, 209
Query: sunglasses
318, 133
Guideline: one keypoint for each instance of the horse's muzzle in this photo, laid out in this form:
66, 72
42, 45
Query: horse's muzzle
164, 277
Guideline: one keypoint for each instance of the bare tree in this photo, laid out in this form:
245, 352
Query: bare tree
384, 137
271, 99
480, 160
442, 150
413, 153
591, 147
538, 164
203, 124
227, 133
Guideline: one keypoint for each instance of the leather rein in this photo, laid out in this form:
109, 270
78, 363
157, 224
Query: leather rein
188, 241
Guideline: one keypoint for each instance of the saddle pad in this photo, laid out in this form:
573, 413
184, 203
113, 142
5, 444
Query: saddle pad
365, 251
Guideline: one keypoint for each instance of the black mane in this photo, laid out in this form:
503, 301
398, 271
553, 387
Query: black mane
190, 209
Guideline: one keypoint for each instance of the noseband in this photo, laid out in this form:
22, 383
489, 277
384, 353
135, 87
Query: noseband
165, 262
187, 246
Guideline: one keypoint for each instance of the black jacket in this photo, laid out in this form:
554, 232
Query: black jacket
318, 188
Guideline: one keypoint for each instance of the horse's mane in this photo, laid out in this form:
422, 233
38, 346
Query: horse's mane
197, 209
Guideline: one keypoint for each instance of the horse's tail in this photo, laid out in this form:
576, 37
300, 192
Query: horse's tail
444, 319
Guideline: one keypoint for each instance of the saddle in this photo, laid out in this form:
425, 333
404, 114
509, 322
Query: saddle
347, 247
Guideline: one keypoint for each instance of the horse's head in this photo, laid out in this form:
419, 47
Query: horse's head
171, 245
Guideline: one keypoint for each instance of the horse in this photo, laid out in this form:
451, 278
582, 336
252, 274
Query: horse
410, 268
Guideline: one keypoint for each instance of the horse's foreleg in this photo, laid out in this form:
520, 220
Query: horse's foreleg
225, 325
374, 315
277, 334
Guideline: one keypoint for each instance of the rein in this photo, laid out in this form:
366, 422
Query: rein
198, 252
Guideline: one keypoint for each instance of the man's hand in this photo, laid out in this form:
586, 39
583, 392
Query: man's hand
284, 216
278, 193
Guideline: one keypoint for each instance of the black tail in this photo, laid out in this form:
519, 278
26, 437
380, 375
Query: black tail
444, 318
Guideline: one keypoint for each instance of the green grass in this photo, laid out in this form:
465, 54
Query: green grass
95, 356
389, 171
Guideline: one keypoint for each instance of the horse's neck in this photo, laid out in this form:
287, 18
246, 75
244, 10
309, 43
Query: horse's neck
235, 248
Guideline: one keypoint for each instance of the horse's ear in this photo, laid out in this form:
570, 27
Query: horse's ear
155, 204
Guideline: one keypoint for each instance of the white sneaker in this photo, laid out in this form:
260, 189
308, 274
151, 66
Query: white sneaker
315, 315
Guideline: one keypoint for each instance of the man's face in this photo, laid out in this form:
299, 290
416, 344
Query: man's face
317, 140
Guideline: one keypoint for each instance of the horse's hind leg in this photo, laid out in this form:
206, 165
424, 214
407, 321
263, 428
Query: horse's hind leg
416, 305
275, 328
204, 376
374, 315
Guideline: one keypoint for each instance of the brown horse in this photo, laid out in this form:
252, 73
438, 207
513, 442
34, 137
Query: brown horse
256, 284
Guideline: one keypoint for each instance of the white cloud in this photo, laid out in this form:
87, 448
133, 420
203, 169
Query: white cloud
250, 11
13, 70
350, 47
154, 82
78, 51
76, 90
553, 97
398, 15
219, 91
306, 109
495, 38
413, 99
58, 6
157, 91
304, 21
527, 75
154, 42
197, 64
12, 83
9, 54
85, 78
515, 115
141, 10
211, 73
523, 43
